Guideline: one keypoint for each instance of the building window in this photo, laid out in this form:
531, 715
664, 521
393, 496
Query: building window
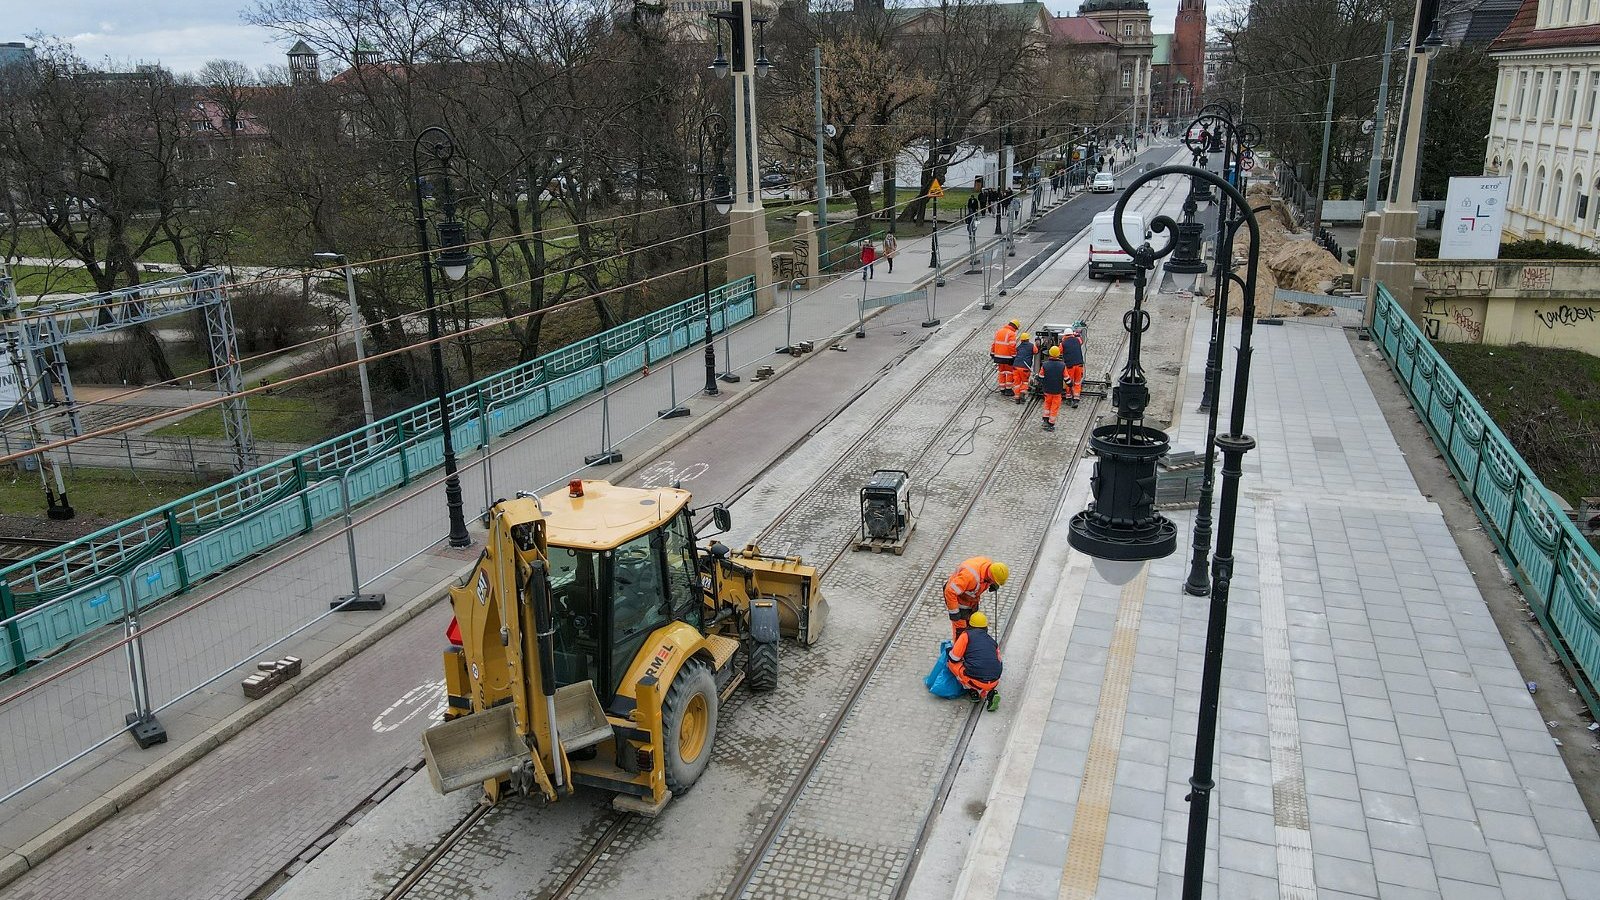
1555, 96
1522, 188
1538, 94
1572, 93
1580, 203
1127, 75
1538, 192
1555, 198
1522, 92
1594, 99
1127, 29
1595, 225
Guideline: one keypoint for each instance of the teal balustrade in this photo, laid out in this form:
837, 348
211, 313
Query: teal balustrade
1557, 569
66, 592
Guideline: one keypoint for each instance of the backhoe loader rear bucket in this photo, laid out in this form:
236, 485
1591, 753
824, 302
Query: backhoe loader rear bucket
814, 617
467, 750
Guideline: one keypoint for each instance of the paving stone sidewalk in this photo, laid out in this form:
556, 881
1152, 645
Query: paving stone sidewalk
1375, 739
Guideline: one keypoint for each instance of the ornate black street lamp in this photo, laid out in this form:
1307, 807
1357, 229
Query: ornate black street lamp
713, 129
1121, 527
453, 260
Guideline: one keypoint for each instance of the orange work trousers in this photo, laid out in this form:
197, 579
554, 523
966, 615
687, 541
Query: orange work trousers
1075, 380
984, 688
1052, 406
1006, 375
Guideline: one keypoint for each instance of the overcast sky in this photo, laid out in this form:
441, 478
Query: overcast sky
183, 34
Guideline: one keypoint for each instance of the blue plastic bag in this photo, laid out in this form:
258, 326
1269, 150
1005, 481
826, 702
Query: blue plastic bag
941, 681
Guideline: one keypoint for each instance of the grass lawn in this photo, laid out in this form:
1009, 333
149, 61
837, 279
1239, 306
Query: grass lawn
273, 417
32, 281
1547, 401
110, 494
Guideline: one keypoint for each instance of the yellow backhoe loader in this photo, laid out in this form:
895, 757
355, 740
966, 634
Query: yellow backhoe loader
594, 641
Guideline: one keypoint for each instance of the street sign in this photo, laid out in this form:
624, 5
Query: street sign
1474, 213
1366, 127
696, 5
916, 296
1248, 164
936, 190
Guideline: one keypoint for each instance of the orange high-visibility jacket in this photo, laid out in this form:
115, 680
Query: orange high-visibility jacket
1005, 342
963, 589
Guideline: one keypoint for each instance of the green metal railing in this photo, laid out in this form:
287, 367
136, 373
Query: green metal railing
1556, 567
64, 593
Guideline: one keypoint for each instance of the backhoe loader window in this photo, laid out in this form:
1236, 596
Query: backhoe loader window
682, 581
640, 603
574, 583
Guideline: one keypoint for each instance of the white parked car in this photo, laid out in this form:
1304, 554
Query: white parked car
1104, 183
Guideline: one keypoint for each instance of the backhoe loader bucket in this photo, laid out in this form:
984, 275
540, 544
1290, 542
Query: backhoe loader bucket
802, 610
467, 750
813, 617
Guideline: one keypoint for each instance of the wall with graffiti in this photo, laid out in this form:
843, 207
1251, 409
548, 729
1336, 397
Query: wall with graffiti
1547, 304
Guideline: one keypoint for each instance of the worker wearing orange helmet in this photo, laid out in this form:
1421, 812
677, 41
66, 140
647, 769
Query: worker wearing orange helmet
966, 586
976, 663
1053, 384
1004, 353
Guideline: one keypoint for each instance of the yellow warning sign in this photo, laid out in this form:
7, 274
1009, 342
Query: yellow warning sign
936, 190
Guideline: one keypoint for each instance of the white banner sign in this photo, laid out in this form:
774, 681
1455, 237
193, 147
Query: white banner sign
1474, 217
10, 391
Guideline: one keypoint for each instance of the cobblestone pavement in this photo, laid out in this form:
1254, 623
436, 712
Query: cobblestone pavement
1375, 737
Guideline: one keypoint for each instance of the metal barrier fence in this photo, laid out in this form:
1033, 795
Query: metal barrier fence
61, 595
1557, 569
846, 253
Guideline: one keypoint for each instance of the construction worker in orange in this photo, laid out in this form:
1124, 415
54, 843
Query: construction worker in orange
1072, 355
964, 588
975, 661
1004, 353
1022, 367
1053, 384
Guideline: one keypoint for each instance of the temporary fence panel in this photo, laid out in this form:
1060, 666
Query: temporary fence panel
1556, 567
226, 524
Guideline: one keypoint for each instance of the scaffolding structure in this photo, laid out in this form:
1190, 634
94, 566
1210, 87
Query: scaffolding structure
44, 331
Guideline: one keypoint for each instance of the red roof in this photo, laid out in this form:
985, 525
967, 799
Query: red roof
1079, 30
1522, 35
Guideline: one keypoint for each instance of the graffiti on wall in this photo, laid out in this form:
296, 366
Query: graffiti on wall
1537, 278
1444, 320
1453, 281
1570, 316
802, 260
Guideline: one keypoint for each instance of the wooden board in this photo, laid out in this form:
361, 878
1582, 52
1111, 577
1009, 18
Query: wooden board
881, 545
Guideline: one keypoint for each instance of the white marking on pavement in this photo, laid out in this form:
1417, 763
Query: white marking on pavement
1289, 814
425, 698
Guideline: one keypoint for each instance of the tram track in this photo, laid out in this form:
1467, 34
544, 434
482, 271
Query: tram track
612, 827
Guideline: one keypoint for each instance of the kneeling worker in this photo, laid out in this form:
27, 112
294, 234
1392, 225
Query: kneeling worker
1052, 381
1022, 366
965, 588
975, 661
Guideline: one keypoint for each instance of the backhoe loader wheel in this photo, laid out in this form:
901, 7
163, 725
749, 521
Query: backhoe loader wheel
689, 721
761, 666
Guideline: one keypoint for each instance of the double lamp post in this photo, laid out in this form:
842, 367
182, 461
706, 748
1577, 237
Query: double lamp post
1121, 529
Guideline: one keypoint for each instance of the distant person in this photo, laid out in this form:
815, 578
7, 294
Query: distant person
890, 246
869, 255
975, 661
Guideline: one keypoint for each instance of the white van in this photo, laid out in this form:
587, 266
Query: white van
1106, 256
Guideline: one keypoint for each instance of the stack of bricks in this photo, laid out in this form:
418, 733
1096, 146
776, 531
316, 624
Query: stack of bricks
270, 674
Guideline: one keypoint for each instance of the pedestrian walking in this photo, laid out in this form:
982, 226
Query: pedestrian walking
1052, 382
1004, 353
1022, 366
890, 246
976, 663
869, 255
1072, 357
967, 585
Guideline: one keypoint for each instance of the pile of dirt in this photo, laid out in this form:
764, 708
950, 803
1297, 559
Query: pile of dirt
1288, 260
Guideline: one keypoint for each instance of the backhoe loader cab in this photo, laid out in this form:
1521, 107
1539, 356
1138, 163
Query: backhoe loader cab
594, 641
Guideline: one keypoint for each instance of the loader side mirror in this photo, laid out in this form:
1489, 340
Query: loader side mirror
721, 517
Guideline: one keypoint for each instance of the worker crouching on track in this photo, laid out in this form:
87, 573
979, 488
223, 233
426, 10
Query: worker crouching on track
1053, 383
975, 661
1022, 367
964, 588
1072, 355
1004, 353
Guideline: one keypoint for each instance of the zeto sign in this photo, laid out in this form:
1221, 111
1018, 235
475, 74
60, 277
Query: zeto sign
1474, 218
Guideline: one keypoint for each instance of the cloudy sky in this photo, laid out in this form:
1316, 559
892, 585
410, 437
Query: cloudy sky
183, 34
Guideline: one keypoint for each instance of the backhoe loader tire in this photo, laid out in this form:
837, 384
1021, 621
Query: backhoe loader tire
689, 725
761, 667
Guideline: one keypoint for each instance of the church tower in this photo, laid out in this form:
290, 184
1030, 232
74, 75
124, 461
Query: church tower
1189, 55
